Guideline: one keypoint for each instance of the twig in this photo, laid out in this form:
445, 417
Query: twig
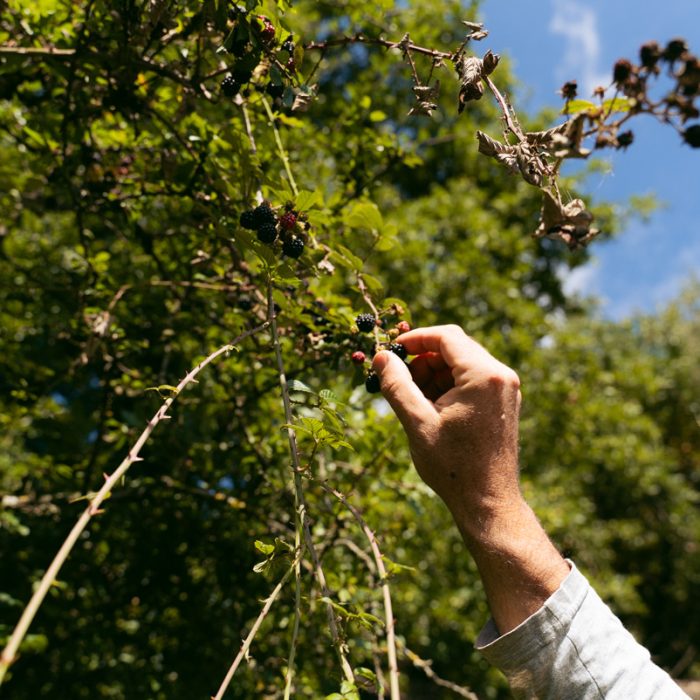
280, 147
514, 128
253, 631
386, 592
425, 666
302, 519
362, 39
368, 300
36, 51
251, 140
10, 650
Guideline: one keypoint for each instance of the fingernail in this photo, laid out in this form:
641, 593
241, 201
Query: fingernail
380, 361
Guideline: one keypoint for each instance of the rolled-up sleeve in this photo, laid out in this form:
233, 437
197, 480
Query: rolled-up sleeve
575, 648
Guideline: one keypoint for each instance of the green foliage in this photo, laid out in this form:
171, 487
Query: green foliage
122, 266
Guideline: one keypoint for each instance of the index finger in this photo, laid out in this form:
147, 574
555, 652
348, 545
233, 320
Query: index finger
449, 341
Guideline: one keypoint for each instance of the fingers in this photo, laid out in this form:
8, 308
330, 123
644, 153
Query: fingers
432, 375
450, 342
403, 394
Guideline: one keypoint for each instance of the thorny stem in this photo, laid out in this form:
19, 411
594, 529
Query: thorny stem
280, 147
254, 630
368, 300
251, 140
362, 39
425, 666
10, 650
302, 520
386, 592
514, 128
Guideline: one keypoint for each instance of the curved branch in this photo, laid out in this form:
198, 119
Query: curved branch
18, 634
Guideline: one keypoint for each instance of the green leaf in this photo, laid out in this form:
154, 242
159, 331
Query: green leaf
266, 549
296, 385
577, 106
364, 215
306, 199
617, 104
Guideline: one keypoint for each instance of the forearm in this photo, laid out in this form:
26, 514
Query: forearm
519, 566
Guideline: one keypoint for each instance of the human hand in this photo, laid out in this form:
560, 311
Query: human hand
459, 407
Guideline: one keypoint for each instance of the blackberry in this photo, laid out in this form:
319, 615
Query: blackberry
399, 349
268, 32
674, 50
403, 326
625, 139
267, 232
649, 54
275, 91
372, 383
288, 45
264, 215
247, 220
288, 220
622, 70
692, 136
230, 86
293, 247
365, 322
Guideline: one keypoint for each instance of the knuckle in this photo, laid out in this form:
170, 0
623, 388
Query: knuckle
502, 377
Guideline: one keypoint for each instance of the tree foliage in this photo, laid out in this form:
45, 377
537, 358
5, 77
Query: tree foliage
123, 265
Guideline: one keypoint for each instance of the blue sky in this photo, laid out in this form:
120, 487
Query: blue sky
551, 41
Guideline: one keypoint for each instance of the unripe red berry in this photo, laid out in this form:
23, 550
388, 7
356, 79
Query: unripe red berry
288, 220
358, 357
403, 326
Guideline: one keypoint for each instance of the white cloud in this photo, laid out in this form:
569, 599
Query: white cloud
582, 281
578, 25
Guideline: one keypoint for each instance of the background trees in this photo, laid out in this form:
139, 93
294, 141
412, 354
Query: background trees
122, 264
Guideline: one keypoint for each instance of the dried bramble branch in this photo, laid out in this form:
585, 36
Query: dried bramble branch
537, 157
245, 646
93, 508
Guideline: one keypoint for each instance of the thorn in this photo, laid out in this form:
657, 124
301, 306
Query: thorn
165, 416
105, 475
95, 511
136, 458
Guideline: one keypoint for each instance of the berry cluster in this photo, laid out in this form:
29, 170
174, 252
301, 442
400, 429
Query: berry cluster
633, 80
289, 227
252, 40
367, 323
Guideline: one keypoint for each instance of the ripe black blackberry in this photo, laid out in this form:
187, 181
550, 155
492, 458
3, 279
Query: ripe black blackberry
247, 220
264, 215
230, 86
692, 136
267, 232
365, 322
275, 90
399, 349
372, 383
293, 247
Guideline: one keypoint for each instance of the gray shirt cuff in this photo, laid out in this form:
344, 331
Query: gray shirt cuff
574, 647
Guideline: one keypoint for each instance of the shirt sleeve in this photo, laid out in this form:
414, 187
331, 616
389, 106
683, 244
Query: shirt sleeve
574, 647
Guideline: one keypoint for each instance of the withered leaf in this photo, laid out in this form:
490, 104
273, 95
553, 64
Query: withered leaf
502, 152
571, 223
490, 62
469, 69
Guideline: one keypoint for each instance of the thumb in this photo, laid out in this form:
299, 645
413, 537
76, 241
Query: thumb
406, 399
